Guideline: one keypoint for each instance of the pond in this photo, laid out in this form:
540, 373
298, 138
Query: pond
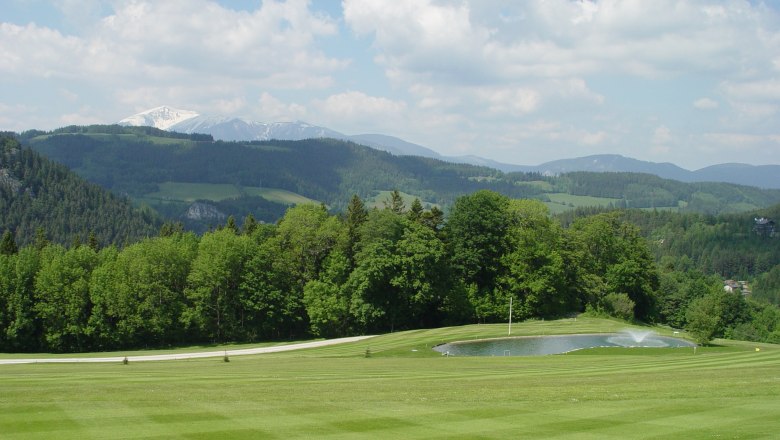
540, 345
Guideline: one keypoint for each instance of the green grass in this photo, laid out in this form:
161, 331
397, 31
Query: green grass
569, 199
562, 202
189, 192
727, 391
279, 196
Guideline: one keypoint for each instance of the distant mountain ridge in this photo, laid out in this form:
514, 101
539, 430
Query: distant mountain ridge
238, 129
761, 176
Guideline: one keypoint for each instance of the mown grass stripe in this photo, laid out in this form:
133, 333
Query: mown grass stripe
729, 390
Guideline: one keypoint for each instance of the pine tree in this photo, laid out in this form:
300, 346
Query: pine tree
396, 203
231, 224
170, 228
434, 218
356, 216
415, 211
7, 244
92, 241
41, 241
249, 225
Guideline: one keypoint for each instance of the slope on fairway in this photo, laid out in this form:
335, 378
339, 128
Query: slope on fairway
726, 391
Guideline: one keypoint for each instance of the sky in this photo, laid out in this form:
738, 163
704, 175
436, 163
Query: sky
694, 83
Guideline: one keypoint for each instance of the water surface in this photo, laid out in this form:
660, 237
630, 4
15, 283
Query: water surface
540, 345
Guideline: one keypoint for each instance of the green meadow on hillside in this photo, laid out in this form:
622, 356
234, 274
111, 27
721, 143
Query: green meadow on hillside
395, 386
561, 202
189, 192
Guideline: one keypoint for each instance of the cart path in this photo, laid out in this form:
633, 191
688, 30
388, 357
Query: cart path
196, 355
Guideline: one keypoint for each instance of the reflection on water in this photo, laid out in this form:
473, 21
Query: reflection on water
539, 345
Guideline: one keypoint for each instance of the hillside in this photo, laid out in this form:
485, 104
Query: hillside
145, 163
38, 193
238, 129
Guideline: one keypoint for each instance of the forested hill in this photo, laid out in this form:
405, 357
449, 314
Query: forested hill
41, 198
189, 177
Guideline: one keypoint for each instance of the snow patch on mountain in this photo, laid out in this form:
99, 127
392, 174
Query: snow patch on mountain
163, 117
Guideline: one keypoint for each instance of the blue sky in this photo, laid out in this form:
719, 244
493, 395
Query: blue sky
694, 83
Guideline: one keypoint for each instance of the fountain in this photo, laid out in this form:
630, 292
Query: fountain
637, 338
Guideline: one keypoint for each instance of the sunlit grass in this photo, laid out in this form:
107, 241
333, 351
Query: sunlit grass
725, 391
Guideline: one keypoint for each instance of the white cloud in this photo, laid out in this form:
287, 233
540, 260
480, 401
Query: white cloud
662, 135
596, 138
273, 109
84, 116
357, 112
705, 104
738, 140
509, 100
173, 42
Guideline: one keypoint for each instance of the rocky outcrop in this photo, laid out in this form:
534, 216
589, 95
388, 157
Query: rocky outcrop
203, 211
8, 181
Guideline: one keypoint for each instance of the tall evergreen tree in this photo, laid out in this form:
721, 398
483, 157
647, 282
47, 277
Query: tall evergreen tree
396, 203
356, 216
231, 224
415, 211
7, 244
250, 224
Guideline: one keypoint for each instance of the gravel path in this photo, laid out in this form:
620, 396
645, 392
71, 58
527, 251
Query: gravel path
177, 356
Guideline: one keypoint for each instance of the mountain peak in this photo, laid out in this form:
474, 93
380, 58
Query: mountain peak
162, 117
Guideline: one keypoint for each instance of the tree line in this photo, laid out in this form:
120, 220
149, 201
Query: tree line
364, 271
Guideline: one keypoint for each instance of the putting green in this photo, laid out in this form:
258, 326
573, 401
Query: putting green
729, 391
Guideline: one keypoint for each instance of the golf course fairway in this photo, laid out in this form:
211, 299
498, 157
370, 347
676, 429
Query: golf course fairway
396, 386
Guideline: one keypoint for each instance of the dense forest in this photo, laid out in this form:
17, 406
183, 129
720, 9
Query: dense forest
365, 271
37, 195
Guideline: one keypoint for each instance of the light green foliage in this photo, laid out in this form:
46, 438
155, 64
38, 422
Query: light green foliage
304, 238
614, 251
327, 303
703, 318
539, 268
62, 296
619, 305
138, 296
273, 284
18, 285
476, 231
213, 285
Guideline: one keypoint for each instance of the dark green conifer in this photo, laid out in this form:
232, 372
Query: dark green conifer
8, 244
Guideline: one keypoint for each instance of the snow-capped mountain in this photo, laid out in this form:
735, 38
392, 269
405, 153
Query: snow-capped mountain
160, 117
227, 128
237, 129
